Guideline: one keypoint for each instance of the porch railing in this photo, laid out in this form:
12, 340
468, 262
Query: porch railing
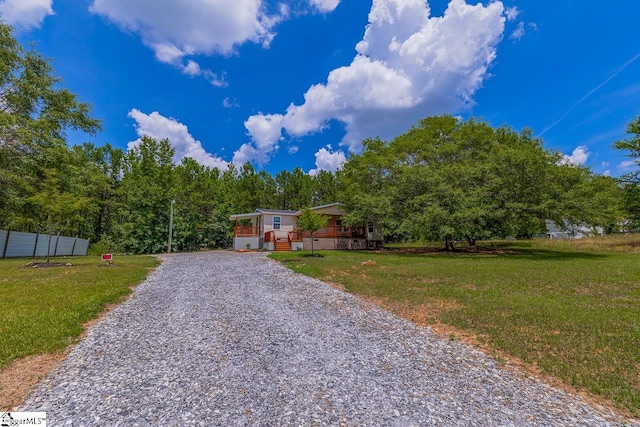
334, 231
246, 231
296, 236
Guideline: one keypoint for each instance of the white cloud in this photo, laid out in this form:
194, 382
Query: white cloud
627, 165
264, 128
511, 13
293, 149
578, 157
159, 127
518, 33
175, 29
325, 5
248, 153
192, 69
228, 103
328, 160
265, 131
215, 79
25, 13
408, 66
606, 173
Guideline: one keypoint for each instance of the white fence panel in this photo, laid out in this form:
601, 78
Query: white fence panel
17, 244
20, 244
82, 247
65, 246
44, 244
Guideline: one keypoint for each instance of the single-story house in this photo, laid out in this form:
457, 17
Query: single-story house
276, 230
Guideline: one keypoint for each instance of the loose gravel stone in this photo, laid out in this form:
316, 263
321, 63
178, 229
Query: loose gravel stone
231, 339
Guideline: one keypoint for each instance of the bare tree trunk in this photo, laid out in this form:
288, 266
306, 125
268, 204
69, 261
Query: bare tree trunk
311, 243
470, 240
448, 243
49, 240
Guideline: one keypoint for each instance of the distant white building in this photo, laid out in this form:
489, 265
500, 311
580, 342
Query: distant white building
570, 230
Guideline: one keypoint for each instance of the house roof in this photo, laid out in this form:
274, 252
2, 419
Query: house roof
259, 212
276, 211
324, 206
236, 217
320, 207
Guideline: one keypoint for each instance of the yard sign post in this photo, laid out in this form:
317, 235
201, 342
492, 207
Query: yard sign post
108, 258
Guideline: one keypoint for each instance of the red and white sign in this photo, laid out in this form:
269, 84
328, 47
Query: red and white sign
107, 257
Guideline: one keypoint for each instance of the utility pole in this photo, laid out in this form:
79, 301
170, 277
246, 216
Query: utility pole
170, 226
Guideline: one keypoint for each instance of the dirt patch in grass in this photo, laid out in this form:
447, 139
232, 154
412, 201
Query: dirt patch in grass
338, 286
47, 264
19, 378
424, 314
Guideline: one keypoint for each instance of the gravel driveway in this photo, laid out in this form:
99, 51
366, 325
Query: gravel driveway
221, 338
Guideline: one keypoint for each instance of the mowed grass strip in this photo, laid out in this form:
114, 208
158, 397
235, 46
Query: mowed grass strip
572, 314
43, 309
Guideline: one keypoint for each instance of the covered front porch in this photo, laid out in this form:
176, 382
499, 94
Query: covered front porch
247, 232
330, 237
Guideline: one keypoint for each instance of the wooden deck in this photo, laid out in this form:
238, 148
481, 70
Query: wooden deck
336, 231
246, 231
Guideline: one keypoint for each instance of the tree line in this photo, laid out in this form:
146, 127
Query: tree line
121, 199
444, 178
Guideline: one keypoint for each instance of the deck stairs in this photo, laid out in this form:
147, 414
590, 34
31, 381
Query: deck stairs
282, 244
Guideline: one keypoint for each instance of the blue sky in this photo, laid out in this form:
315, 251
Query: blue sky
302, 82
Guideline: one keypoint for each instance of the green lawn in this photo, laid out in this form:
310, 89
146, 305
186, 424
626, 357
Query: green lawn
572, 313
43, 309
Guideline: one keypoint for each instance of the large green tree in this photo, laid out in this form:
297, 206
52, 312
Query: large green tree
631, 145
35, 114
147, 189
201, 216
451, 179
104, 165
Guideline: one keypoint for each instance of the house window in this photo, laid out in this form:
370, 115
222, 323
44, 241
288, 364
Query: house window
276, 223
370, 226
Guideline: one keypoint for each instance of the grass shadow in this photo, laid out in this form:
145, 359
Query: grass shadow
551, 254
523, 251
